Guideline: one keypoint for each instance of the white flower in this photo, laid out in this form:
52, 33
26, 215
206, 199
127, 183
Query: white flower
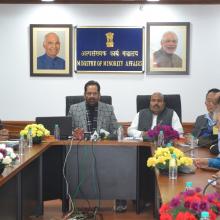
9, 150
13, 155
2, 146
1, 156
7, 160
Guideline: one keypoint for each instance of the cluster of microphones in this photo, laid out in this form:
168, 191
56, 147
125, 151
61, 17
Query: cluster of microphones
80, 134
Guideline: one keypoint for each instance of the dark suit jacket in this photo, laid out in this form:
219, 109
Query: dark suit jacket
106, 118
200, 124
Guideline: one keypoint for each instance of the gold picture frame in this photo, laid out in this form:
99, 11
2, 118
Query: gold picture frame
50, 50
168, 48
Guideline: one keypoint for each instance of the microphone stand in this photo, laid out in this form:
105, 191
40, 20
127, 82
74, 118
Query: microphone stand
208, 184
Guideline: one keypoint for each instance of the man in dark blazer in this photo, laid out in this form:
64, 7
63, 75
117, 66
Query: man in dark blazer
204, 123
92, 115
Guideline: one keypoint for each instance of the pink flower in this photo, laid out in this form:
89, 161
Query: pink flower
175, 202
169, 132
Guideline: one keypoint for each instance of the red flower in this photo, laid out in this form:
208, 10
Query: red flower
164, 208
212, 215
185, 216
166, 216
188, 205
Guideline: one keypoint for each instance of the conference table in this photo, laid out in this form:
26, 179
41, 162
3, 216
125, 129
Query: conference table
116, 165
166, 189
21, 186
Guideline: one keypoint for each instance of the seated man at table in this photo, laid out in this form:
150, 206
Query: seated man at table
157, 113
3, 133
203, 128
212, 162
92, 115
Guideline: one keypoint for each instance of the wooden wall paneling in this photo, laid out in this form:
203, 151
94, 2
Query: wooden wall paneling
14, 127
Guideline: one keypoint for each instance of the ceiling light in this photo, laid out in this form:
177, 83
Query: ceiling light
47, 0
153, 0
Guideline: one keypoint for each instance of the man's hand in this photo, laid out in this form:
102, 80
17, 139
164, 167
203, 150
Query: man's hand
78, 134
4, 135
201, 162
217, 186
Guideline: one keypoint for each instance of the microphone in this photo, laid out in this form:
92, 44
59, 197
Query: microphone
95, 136
160, 122
103, 133
87, 136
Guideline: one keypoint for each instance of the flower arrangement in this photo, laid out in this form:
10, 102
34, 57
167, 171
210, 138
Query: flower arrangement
162, 156
38, 131
7, 156
188, 205
168, 131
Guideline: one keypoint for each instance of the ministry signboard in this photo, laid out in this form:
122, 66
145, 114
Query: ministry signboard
109, 49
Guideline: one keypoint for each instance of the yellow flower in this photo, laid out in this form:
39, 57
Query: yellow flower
46, 132
40, 133
33, 133
37, 130
163, 155
186, 161
151, 162
161, 159
23, 132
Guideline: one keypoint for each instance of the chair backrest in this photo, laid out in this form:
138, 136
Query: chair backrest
172, 101
70, 100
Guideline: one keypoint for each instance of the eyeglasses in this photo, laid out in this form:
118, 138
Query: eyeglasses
210, 101
92, 94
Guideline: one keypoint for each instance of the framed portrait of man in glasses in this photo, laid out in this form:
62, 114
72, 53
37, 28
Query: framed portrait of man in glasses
51, 50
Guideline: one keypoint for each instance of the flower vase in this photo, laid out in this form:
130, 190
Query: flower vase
164, 172
2, 167
37, 140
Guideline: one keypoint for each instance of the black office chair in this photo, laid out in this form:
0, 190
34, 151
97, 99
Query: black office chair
172, 101
146, 175
70, 100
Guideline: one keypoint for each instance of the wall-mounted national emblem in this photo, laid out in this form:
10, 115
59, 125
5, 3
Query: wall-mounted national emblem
109, 39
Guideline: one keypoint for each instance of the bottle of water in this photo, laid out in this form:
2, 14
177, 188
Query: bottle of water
57, 132
193, 145
30, 138
204, 216
160, 141
120, 133
188, 186
173, 168
21, 145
